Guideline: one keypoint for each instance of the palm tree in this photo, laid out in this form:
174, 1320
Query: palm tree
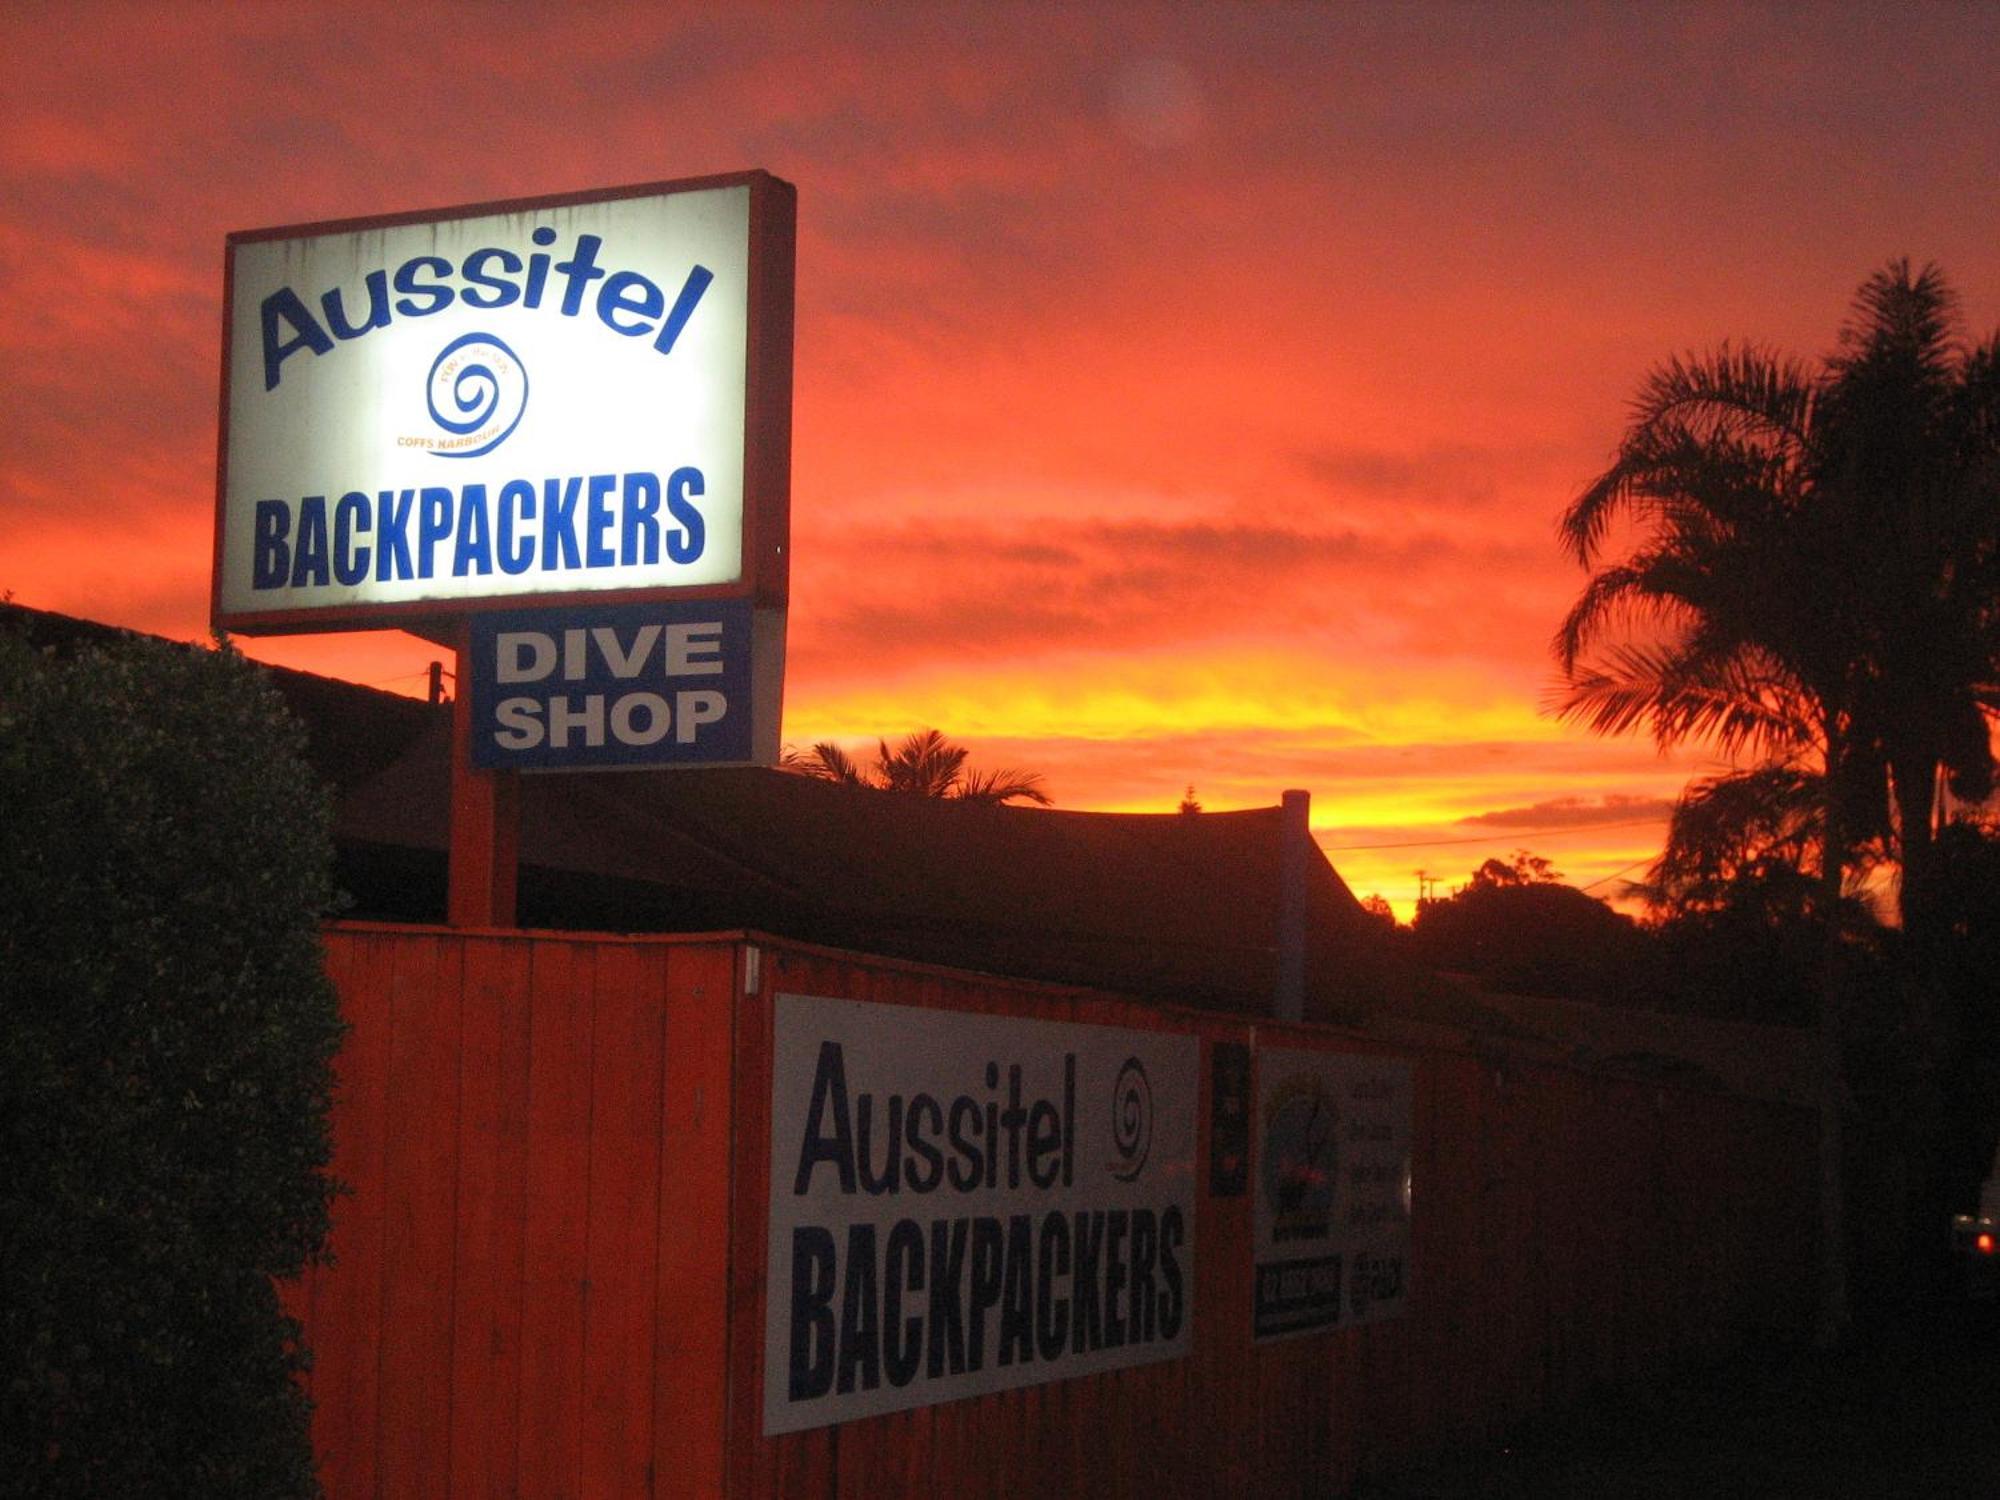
924, 763
1813, 585
1913, 475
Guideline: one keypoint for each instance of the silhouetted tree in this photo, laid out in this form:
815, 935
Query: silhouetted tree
925, 764
1523, 869
1815, 582
1515, 927
1814, 587
1754, 832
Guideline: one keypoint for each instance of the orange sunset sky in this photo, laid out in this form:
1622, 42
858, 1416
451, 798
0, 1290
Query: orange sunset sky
1184, 394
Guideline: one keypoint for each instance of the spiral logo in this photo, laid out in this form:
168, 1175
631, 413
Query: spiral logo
477, 392
1131, 1120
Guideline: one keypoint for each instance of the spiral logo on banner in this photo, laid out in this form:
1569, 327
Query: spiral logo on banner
1131, 1120
485, 387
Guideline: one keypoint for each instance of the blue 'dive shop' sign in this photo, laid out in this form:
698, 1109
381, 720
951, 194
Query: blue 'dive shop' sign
616, 686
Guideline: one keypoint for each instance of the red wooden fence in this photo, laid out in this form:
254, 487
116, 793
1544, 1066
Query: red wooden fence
549, 1272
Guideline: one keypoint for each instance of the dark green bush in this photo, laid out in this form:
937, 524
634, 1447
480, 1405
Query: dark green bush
166, 1039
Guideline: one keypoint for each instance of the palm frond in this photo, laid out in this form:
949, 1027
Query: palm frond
1738, 702
924, 762
1693, 470
1741, 824
1616, 598
826, 761
1002, 786
1976, 413
1902, 313
1741, 393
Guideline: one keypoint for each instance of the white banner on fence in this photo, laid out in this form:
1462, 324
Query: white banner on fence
967, 1203
1332, 1226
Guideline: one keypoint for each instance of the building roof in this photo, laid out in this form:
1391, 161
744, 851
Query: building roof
1177, 906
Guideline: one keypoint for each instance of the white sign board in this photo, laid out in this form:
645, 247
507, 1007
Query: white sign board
965, 1203
1332, 1217
542, 399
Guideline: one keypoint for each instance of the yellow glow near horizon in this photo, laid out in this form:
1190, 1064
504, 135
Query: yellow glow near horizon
1153, 697
1294, 721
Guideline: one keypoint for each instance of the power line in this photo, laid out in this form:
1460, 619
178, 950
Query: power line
1516, 834
1607, 879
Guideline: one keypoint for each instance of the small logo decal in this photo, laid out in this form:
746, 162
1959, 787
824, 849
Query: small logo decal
485, 387
1131, 1120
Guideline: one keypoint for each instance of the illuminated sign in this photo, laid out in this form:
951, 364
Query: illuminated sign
965, 1203
431, 415
679, 682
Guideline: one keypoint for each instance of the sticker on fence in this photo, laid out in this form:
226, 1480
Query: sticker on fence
1333, 1191
968, 1203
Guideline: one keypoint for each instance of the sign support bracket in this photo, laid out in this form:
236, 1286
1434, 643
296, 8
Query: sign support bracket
485, 816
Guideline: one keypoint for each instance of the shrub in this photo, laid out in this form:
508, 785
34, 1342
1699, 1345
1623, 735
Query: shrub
166, 1042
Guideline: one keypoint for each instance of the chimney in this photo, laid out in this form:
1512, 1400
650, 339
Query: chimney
1294, 845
